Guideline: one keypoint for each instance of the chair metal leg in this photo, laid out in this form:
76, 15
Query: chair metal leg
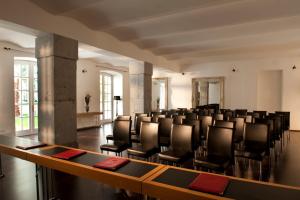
260, 170
1, 170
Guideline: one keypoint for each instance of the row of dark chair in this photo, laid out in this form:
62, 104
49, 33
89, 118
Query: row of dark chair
184, 140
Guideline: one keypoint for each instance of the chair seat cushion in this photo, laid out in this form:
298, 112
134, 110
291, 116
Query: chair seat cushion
141, 151
254, 154
117, 146
164, 141
176, 157
135, 138
109, 137
215, 163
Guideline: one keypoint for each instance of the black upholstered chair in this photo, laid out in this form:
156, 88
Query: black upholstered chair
122, 137
220, 150
196, 124
256, 143
225, 124
178, 119
205, 122
218, 117
240, 112
191, 116
149, 142
136, 137
239, 129
156, 117
136, 116
261, 114
227, 115
181, 148
119, 117
164, 131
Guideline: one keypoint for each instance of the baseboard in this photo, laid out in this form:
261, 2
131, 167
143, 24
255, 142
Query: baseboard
295, 130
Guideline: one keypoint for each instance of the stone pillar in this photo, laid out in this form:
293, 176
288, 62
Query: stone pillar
56, 58
140, 83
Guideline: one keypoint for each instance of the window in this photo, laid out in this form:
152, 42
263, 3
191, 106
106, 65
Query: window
106, 94
26, 96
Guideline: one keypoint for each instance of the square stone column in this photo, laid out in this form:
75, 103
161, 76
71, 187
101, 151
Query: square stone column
140, 83
56, 59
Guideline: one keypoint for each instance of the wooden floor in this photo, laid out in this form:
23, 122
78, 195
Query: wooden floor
19, 180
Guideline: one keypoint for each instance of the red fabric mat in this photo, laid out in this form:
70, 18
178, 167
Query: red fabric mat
210, 183
68, 154
112, 163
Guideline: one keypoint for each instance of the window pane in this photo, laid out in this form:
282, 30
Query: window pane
35, 85
25, 97
25, 123
25, 84
18, 124
36, 122
25, 111
35, 71
36, 98
35, 110
17, 70
25, 70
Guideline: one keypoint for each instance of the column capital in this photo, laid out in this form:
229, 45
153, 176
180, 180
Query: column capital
140, 67
56, 45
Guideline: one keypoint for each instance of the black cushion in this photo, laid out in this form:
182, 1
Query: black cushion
117, 146
141, 151
174, 156
213, 162
164, 141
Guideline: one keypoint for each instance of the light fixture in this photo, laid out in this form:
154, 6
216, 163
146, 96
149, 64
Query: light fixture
117, 98
233, 69
294, 67
84, 71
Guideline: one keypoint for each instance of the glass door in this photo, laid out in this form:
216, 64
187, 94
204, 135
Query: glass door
106, 96
26, 97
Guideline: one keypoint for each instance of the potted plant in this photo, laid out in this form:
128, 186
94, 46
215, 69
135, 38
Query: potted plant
87, 99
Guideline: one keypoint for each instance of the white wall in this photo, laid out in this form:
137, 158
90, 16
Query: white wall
240, 88
89, 83
7, 113
269, 90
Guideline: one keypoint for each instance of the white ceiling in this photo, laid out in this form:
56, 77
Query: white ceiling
9, 33
192, 31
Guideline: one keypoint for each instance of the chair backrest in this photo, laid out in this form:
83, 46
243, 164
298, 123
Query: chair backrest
220, 142
261, 113
136, 117
241, 112
249, 118
165, 127
256, 134
218, 116
139, 120
121, 131
124, 117
227, 115
191, 116
205, 122
239, 128
178, 119
149, 135
181, 138
286, 119
268, 121
156, 117
196, 124
225, 124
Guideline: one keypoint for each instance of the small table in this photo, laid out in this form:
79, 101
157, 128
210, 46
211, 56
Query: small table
172, 183
88, 120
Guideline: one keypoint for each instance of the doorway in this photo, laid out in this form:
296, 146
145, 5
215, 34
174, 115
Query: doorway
26, 96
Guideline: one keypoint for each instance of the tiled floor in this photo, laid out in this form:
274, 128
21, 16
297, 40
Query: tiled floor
19, 181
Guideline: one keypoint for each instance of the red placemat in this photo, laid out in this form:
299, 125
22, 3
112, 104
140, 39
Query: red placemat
112, 163
210, 183
68, 154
